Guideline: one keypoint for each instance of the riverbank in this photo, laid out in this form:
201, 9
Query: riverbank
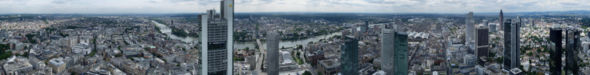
303, 42
251, 44
168, 31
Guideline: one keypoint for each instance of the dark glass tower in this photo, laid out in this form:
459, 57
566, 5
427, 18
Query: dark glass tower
555, 35
573, 46
482, 44
511, 44
350, 57
501, 19
401, 53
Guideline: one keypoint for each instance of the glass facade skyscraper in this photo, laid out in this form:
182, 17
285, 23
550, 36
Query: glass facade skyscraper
350, 57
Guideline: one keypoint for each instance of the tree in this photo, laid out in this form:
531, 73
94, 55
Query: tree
585, 22
4, 52
306, 73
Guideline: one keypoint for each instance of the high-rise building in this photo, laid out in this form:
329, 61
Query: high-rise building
387, 44
469, 31
365, 27
394, 51
507, 45
573, 46
492, 27
228, 13
400, 53
555, 35
350, 57
511, 44
272, 52
216, 40
501, 19
483, 46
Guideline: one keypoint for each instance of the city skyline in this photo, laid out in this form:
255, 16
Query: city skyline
294, 37
249, 6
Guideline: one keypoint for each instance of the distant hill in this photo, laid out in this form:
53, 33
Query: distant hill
545, 13
333, 14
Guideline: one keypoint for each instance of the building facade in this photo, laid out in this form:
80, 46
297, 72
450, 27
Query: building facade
555, 35
511, 44
573, 46
483, 46
387, 44
350, 57
501, 19
470, 29
401, 53
216, 40
272, 52
394, 51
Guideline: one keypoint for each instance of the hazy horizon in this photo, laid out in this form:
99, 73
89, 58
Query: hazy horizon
262, 6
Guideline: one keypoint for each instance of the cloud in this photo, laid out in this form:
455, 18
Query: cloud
379, 6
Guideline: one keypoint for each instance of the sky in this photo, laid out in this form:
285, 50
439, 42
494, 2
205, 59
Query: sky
344, 6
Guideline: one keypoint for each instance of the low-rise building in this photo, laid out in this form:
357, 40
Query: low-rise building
17, 65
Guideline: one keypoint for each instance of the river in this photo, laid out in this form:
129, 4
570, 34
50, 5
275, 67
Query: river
304, 42
166, 30
240, 45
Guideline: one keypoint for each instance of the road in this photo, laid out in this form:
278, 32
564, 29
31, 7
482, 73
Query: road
259, 57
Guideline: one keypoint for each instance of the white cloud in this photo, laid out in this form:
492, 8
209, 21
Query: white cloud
380, 6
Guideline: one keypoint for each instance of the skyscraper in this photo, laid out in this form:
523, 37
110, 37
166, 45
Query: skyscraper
573, 46
350, 58
555, 35
507, 45
228, 14
469, 31
401, 53
365, 27
217, 40
387, 50
482, 44
511, 44
492, 27
394, 51
272, 52
501, 19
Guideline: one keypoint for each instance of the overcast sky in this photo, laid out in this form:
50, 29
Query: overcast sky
368, 6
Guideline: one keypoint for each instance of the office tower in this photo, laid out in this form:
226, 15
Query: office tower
469, 31
483, 46
171, 22
401, 53
533, 23
394, 51
492, 27
511, 44
555, 35
217, 41
272, 52
387, 50
350, 58
501, 19
228, 14
387, 39
507, 45
573, 45
365, 27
